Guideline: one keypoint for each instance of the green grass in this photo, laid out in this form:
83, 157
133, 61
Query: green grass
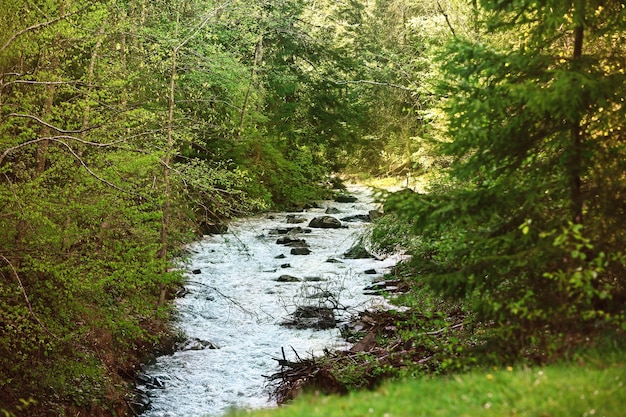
590, 387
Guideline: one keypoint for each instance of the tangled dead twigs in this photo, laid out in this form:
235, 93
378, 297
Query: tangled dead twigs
296, 376
378, 352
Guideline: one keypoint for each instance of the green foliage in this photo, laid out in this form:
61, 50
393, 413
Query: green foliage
521, 227
286, 176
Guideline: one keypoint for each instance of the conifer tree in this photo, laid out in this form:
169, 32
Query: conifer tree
526, 226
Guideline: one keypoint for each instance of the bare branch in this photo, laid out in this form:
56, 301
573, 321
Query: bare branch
93, 174
201, 25
41, 82
400, 87
30, 307
445, 15
58, 139
48, 125
39, 26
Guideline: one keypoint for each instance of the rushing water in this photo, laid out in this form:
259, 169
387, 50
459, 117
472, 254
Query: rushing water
235, 302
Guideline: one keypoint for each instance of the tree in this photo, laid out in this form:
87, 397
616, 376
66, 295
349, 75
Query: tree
526, 224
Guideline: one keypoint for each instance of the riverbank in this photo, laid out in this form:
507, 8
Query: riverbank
589, 384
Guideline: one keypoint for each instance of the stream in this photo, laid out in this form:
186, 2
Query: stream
234, 306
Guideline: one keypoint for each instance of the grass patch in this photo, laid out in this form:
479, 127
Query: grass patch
584, 387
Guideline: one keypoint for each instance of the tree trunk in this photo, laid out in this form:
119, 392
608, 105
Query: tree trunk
258, 57
576, 131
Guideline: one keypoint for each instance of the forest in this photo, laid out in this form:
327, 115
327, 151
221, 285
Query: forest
130, 128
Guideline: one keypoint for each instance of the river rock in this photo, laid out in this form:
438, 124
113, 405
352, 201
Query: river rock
385, 287
139, 403
325, 222
288, 278
300, 251
289, 230
333, 261
365, 218
345, 198
207, 228
292, 218
312, 317
149, 382
295, 243
196, 344
358, 252
332, 210
314, 279
298, 230
375, 214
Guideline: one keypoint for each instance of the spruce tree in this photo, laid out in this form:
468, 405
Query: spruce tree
526, 224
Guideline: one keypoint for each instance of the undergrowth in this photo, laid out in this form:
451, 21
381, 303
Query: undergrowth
590, 384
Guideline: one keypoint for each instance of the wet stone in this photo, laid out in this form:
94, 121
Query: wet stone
345, 198
325, 222
288, 278
300, 251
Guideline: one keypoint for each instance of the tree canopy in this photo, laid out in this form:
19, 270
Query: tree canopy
127, 127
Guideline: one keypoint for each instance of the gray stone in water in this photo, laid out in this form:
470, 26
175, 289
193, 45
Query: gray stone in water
333, 261
292, 218
345, 198
288, 241
332, 210
365, 218
358, 252
370, 271
197, 344
300, 251
325, 222
311, 317
313, 279
288, 278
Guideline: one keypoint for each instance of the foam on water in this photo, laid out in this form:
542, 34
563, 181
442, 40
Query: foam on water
237, 304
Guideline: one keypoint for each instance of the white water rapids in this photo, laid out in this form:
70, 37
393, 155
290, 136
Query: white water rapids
236, 303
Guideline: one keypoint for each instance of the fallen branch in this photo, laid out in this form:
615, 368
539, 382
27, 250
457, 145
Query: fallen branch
232, 300
456, 326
